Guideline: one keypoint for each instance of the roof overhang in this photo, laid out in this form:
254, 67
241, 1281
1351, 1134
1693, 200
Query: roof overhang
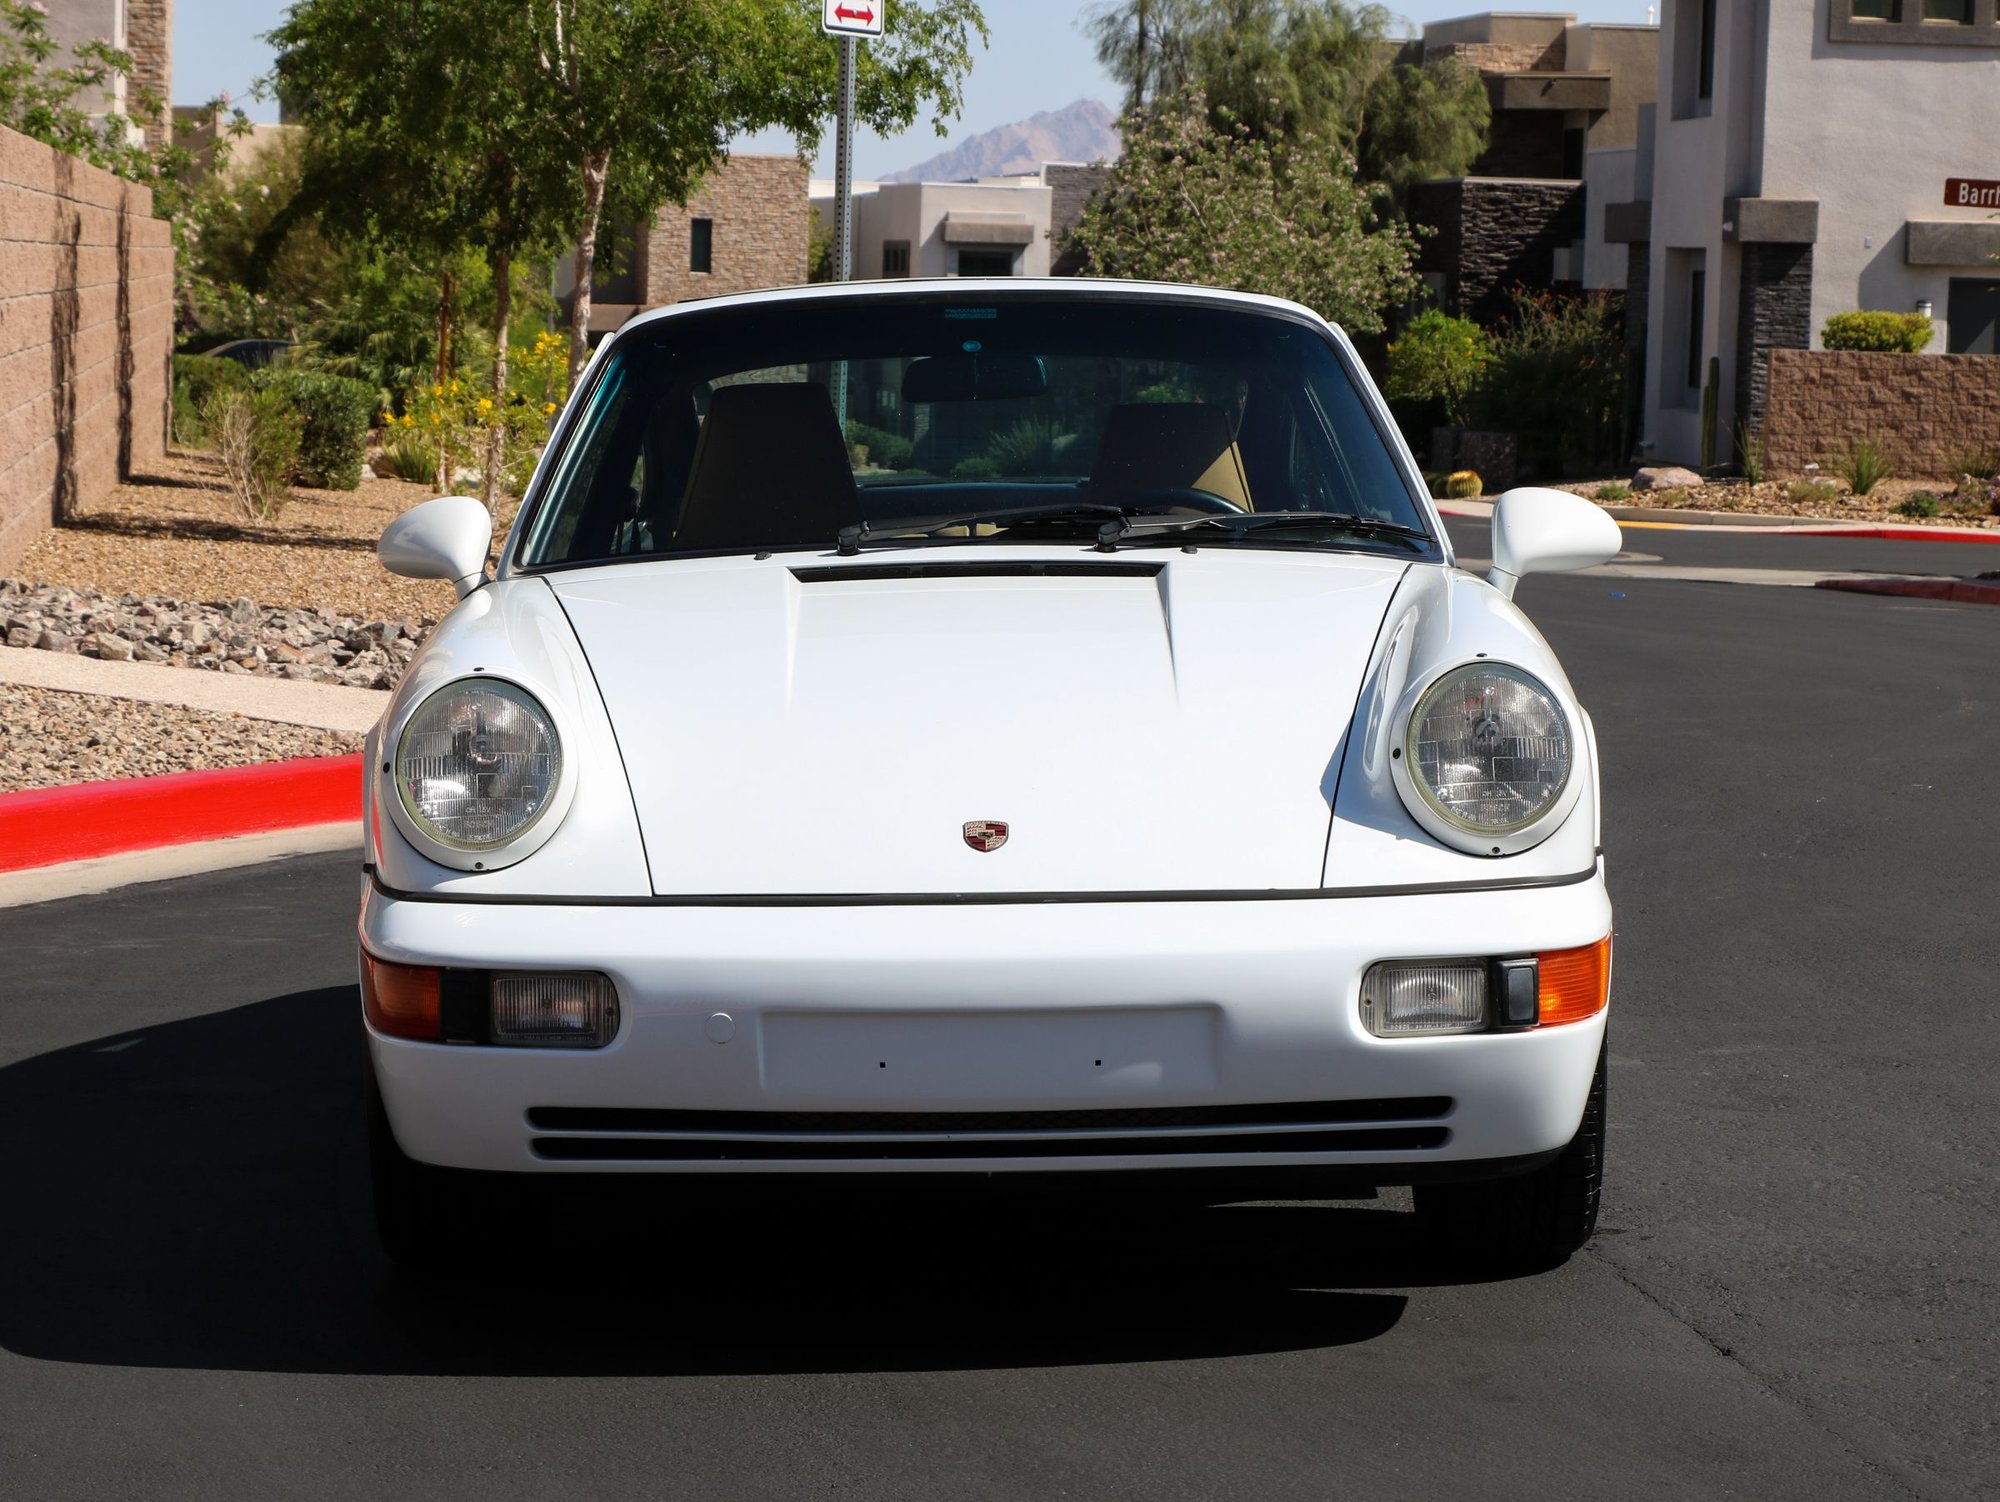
1952, 242
1770, 221
963, 227
1550, 91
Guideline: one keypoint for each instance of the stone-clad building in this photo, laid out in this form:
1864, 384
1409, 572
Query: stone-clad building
747, 227
142, 28
1566, 101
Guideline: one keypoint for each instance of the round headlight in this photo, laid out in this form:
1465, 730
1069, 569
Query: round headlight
1488, 751
478, 764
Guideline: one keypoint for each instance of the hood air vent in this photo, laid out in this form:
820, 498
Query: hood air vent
1026, 569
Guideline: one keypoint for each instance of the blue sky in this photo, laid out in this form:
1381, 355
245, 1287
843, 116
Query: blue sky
1038, 60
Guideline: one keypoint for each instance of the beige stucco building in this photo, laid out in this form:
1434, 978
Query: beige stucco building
1799, 163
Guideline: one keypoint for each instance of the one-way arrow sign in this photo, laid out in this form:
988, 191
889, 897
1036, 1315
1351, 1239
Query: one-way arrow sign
853, 18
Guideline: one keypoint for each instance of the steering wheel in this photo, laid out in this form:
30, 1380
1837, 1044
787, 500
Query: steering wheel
1166, 498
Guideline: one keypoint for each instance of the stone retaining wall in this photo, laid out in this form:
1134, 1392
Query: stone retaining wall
761, 211
1926, 410
86, 336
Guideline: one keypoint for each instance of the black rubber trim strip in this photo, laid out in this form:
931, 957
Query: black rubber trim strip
1090, 1119
983, 899
766, 1150
1050, 568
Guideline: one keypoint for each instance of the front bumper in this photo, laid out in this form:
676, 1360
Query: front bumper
1211, 1035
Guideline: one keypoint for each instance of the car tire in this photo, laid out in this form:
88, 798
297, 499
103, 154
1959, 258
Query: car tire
1530, 1221
428, 1218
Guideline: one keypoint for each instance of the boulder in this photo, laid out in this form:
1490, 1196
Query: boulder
1666, 477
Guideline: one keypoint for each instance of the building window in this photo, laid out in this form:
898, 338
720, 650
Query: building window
895, 258
986, 262
1705, 84
1693, 37
1697, 313
1938, 23
701, 245
1972, 315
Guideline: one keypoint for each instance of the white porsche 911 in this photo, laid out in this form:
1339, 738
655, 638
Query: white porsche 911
978, 729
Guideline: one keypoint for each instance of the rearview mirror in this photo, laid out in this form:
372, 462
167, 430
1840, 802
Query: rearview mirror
1538, 531
447, 538
975, 378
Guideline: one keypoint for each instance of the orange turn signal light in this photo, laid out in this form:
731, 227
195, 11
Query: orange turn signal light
402, 1000
1575, 983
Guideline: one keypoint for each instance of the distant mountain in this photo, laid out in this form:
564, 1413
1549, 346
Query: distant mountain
1086, 131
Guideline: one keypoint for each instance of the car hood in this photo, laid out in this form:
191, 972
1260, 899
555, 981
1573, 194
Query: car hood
1140, 722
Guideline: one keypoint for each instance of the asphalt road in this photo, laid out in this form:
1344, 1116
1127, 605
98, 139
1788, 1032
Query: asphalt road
1793, 1294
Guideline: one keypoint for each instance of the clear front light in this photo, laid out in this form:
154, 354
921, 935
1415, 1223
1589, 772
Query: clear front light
478, 763
1489, 749
558, 1010
1403, 998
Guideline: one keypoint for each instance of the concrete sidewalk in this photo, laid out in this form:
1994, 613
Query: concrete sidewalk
323, 706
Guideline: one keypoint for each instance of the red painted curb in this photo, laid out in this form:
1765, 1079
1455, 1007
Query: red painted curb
1885, 534
47, 826
1960, 591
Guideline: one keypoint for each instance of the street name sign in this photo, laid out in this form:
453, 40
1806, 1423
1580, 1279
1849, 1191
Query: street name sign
853, 18
1972, 193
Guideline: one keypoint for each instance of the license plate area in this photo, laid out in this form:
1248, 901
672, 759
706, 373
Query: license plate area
988, 1059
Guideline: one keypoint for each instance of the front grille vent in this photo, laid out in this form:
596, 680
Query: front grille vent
637, 1135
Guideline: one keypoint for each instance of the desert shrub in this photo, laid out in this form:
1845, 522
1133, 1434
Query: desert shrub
885, 450
256, 436
1804, 491
1615, 491
1463, 485
1977, 462
407, 459
334, 414
196, 379
1027, 448
1555, 381
1878, 331
1436, 364
1750, 453
975, 467
1919, 503
1863, 465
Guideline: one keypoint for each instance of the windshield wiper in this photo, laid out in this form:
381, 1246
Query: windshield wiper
1276, 521
930, 526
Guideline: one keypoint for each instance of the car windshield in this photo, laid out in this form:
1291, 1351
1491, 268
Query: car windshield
993, 417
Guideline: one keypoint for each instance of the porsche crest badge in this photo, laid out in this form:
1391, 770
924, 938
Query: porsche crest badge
985, 834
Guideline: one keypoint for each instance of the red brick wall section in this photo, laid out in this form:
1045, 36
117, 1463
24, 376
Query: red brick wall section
761, 209
1925, 410
86, 336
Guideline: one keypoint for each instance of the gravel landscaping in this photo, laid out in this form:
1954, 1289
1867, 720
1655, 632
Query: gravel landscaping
48, 738
172, 532
239, 636
1826, 500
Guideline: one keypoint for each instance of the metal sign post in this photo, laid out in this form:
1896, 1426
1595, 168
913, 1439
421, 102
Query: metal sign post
847, 20
843, 169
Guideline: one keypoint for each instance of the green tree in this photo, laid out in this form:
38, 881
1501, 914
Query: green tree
654, 89
1194, 200
1284, 68
497, 121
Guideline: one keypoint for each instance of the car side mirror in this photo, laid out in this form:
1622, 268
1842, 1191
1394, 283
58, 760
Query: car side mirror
447, 538
1538, 531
